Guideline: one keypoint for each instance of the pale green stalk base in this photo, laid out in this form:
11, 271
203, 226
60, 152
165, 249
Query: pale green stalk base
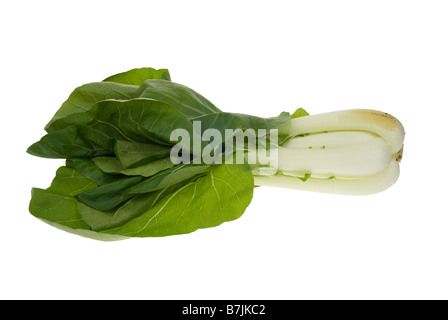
362, 186
354, 152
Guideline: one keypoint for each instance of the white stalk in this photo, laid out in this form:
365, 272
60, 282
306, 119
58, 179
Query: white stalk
362, 186
341, 154
345, 152
376, 122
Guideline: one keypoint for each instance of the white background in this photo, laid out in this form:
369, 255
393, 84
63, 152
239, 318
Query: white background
252, 57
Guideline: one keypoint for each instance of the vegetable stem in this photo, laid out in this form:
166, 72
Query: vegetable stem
361, 152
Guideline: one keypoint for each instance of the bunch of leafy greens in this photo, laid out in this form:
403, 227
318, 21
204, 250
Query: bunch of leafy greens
118, 180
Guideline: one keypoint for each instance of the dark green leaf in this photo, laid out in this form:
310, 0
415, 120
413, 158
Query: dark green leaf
85, 97
90, 170
113, 165
137, 205
70, 142
187, 101
168, 177
149, 169
119, 180
140, 120
108, 164
220, 196
134, 154
108, 196
225, 120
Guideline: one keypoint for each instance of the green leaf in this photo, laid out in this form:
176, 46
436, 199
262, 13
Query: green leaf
86, 233
243, 125
134, 154
220, 196
73, 141
57, 208
109, 196
119, 180
90, 170
58, 204
137, 76
113, 165
86, 96
149, 169
226, 120
108, 164
140, 120
187, 101
168, 177
136, 83
103, 220
300, 112
70, 182
305, 177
